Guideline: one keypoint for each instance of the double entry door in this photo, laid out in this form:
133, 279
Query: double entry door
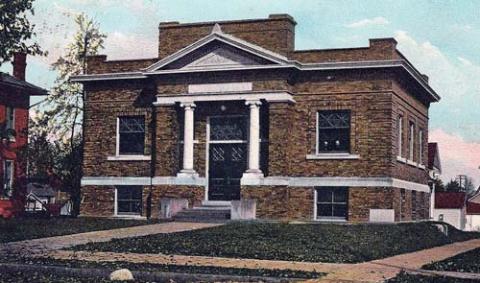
227, 156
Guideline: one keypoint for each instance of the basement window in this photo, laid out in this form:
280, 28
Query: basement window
129, 200
331, 203
333, 131
131, 135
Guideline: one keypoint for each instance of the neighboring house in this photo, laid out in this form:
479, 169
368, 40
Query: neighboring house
434, 171
230, 110
473, 216
39, 196
450, 207
15, 95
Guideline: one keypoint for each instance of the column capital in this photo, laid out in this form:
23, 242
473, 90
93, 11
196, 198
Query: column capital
253, 102
189, 104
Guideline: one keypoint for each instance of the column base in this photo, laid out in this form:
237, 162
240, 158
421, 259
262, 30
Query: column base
253, 174
187, 173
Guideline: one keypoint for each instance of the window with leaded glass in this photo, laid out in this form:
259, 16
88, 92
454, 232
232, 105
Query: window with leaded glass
333, 131
228, 128
400, 135
129, 200
332, 203
131, 133
411, 141
420, 147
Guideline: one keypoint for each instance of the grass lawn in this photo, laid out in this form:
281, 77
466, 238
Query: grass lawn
298, 242
464, 262
17, 229
147, 267
20, 277
410, 278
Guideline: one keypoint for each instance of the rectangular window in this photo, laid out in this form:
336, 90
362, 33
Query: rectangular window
411, 141
333, 131
10, 117
8, 173
129, 200
332, 203
400, 135
131, 135
420, 147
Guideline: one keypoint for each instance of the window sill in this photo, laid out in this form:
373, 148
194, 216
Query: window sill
129, 158
327, 156
130, 216
401, 159
412, 163
330, 219
421, 166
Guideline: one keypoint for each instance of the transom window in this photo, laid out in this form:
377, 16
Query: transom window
129, 200
333, 132
332, 203
131, 133
228, 128
8, 173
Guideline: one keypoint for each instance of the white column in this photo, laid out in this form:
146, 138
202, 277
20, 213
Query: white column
253, 169
188, 140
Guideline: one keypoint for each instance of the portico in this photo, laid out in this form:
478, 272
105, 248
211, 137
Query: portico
233, 136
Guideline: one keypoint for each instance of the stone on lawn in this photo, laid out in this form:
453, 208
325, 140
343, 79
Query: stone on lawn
121, 275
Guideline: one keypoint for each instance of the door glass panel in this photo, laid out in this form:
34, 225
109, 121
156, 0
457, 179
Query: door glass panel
228, 128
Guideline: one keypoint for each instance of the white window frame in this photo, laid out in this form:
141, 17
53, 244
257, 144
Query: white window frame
400, 135
420, 146
126, 157
12, 175
411, 146
126, 215
7, 116
327, 219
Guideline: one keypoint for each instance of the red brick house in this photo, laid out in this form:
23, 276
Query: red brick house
15, 95
231, 110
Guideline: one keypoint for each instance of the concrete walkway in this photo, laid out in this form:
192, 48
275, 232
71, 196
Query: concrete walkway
373, 271
45, 245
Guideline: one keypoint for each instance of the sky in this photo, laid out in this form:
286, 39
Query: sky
441, 39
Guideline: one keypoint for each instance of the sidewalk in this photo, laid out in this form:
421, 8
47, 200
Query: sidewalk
373, 271
44, 245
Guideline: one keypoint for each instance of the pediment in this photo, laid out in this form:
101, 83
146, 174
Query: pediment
223, 57
218, 50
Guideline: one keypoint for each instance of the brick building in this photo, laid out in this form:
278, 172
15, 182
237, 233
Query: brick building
15, 95
230, 110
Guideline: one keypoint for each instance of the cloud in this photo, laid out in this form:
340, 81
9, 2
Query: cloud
130, 46
464, 61
377, 21
457, 155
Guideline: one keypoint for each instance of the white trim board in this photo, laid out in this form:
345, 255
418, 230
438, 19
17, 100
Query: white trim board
266, 181
335, 182
171, 99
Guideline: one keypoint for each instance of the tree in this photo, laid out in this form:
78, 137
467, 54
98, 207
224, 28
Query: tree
16, 31
439, 186
64, 116
453, 186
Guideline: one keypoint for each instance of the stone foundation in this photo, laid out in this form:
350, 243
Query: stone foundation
297, 203
97, 201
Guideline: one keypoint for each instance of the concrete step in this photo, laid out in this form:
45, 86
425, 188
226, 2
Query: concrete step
204, 214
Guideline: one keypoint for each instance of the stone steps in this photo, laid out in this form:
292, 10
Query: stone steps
204, 213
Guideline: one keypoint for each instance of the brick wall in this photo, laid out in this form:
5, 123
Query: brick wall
97, 201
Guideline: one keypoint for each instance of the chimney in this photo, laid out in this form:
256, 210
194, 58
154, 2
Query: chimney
19, 64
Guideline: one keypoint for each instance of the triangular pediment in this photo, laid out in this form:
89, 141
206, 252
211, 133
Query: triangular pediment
218, 50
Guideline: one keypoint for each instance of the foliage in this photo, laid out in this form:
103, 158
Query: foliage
65, 102
44, 277
464, 262
466, 186
453, 186
63, 119
151, 267
298, 242
439, 186
17, 229
16, 31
